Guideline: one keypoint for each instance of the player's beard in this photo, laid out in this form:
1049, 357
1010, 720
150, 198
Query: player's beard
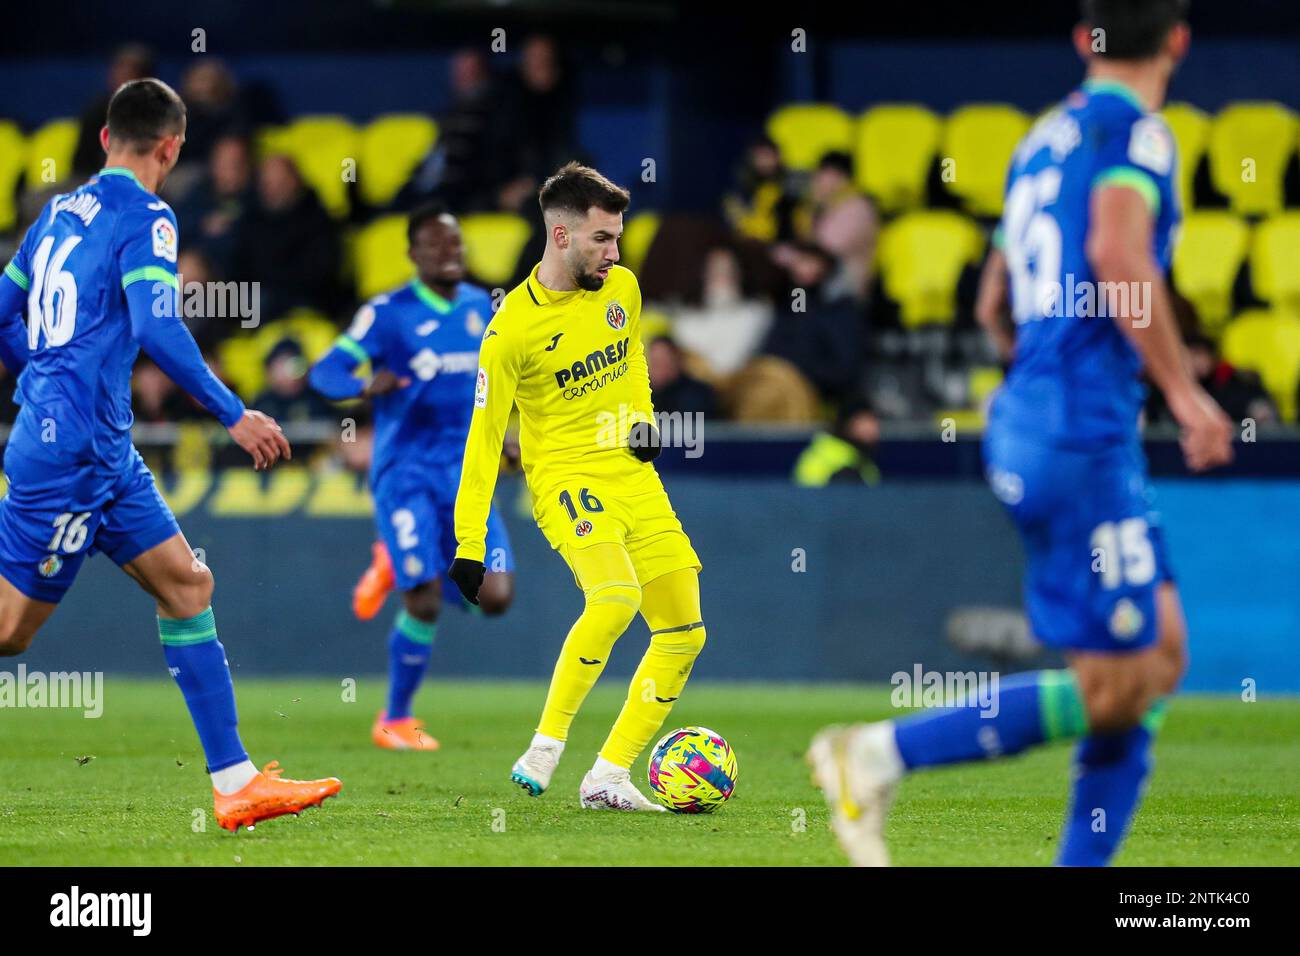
589, 281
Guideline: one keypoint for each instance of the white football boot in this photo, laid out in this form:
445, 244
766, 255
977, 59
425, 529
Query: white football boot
857, 768
533, 770
609, 787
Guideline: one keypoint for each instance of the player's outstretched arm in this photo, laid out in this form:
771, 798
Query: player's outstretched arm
991, 305
13, 330
158, 329
1119, 250
500, 361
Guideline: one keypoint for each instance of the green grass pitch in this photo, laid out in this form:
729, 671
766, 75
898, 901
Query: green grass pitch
1225, 791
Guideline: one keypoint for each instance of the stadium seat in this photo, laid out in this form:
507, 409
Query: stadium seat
50, 149
392, 146
493, 241
187, 488
638, 234
1268, 343
921, 256
892, 153
340, 494
1207, 258
240, 491
805, 132
1191, 129
1275, 261
13, 153
980, 139
241, 365
326, 148
381, 256
1250, 144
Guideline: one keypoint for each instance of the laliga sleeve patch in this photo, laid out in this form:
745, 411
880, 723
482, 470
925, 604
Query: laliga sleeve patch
164, 239
480, 389
1150, 145
361, 322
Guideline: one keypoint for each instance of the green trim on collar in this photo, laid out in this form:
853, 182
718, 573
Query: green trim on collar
431, 298
120, 171
1115, 88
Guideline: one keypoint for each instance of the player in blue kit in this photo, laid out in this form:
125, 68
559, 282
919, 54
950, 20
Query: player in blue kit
422, 342
93, 283
1087, 233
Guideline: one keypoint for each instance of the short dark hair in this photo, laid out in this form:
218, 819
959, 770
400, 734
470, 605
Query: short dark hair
576, 188
839, 160
1133, 29
424, 213
142, 112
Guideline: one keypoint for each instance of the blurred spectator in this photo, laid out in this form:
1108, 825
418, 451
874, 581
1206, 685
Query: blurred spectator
1238, 391
470, 158
727, 327
844, 223
843, 455
210, 213
194, 272
132, 62
539, 115
287, 397
288, 243
827, 341
213, 106
672, 388
763, 205
155, 398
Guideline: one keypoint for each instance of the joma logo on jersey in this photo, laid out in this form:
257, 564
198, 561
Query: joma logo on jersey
616, 317
427, 363
595, 362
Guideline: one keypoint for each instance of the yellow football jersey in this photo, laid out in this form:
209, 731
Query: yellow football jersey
575, 365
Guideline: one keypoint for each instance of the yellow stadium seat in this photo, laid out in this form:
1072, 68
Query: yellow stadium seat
1268, 343
1275, 261
326, 149
13, 152
895, 145
921, 257
391, 147
49, 153
978, 141
493, 242
381, 256
638, 235
340, 494
241, 365
1191, 129
805, 132
241, 491
1211, 248
189, 487
1249, 146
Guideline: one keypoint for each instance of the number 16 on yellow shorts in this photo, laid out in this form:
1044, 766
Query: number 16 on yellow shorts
581, 514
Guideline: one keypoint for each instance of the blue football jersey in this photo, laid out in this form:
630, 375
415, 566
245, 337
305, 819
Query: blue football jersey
76, 262
1074, 380
434, 342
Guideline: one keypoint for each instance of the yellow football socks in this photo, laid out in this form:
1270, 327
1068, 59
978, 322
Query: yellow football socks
671, 607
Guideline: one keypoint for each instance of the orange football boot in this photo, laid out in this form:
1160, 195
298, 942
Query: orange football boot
268, 795
375, 585
404, 734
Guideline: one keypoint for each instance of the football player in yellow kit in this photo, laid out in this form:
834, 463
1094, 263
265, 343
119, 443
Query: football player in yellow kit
565, 346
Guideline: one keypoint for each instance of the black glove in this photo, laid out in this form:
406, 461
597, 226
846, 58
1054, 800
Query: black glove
468, 576
643, 441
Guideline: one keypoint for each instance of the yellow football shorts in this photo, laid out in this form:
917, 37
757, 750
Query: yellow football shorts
585, 513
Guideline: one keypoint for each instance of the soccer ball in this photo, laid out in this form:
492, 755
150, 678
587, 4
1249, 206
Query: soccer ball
692, 770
